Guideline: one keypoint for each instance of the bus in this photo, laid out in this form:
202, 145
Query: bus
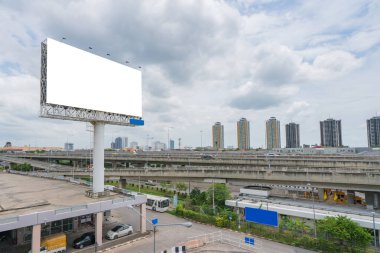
156, 203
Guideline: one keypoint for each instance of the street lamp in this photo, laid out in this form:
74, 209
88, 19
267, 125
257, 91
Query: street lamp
169, 137
315, 223
238, 212
201, 139
374, 229
185, 224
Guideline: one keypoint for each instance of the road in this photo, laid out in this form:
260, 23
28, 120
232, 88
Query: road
167, 237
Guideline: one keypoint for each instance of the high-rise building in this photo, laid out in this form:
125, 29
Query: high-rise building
243, 135
120, 143
171, 144
218, 136
331, 133
273, 137
292, 131
69, 146
373, 132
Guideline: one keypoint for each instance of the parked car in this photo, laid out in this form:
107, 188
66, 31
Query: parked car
119, 231
84, 240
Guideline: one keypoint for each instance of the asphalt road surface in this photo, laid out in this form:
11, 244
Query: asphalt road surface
167, 237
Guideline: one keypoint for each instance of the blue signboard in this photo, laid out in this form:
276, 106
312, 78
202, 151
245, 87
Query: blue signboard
260, 216
137, 122
249, 240
155, 221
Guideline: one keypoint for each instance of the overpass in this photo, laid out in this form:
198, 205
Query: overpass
231, 159
352, 178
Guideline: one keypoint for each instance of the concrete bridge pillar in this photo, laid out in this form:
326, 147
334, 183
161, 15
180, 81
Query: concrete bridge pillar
36, 238
321, 192
142, 218
98, 228
376, 200
351, 195
370, 200
122, 183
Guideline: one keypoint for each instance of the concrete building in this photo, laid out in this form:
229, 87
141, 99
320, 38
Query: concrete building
273, 136
69, 146
243, 134
292, 131
331, 133
373, 132
218, 136
35, 207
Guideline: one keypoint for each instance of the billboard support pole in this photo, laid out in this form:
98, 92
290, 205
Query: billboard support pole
98, 168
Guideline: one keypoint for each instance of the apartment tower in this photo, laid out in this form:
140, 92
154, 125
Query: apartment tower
243, 135
218, 136
292, 131
331, 133
273, 137
373, 132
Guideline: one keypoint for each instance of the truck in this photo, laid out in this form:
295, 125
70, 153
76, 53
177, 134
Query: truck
53, 244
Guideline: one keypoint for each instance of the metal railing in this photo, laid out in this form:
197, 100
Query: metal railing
220, 237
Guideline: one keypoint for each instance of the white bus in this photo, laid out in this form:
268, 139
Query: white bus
156, 203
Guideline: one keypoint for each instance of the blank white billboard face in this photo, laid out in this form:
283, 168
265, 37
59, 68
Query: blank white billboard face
80, 79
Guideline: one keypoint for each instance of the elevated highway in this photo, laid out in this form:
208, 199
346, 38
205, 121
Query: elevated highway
360, 176
230, 159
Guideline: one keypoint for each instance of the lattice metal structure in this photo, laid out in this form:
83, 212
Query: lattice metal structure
72, 113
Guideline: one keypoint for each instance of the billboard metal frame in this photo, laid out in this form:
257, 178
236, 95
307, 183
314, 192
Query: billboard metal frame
73, 113
97, 118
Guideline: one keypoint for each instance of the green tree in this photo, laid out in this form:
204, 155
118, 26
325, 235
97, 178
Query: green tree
344, 232
296, 226
181, 186
197, 197
218, 192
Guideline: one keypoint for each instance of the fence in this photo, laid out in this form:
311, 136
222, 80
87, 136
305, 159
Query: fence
220, 237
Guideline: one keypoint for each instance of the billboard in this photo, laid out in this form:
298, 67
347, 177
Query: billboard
260, 216
85, 83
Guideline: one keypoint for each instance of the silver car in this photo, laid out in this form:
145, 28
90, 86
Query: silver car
119, 231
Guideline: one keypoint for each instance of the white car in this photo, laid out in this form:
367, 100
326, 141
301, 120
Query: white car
119, 231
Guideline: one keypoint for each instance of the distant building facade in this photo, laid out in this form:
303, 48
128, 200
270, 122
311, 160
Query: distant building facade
243, 134
171, 144
134, 144
218, 136
69, 146
331, 133
273, 135
120, 143
159, 146
373, 132
292, 131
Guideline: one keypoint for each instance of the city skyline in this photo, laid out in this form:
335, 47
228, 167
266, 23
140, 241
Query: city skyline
300, 61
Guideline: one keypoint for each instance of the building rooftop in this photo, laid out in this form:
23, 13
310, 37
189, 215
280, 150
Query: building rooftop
24, 194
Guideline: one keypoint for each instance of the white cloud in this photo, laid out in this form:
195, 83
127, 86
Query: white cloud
203, 61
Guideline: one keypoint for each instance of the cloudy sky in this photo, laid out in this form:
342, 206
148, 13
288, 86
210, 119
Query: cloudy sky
202, 62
